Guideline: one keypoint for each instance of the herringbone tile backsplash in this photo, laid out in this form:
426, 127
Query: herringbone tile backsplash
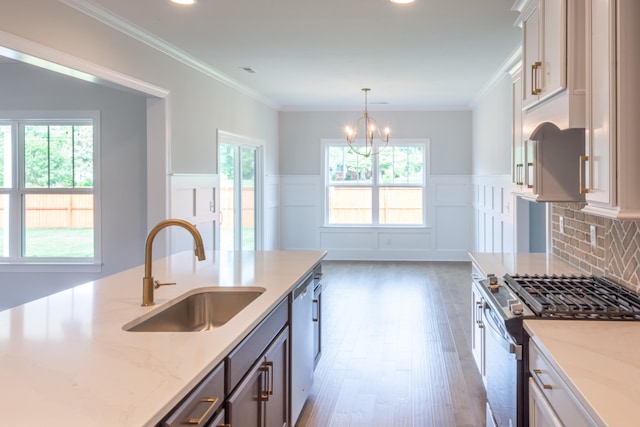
616, 254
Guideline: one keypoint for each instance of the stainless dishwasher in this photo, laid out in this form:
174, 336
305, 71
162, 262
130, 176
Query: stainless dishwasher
302, 347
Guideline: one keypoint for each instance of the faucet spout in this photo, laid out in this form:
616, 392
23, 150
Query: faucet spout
147, 281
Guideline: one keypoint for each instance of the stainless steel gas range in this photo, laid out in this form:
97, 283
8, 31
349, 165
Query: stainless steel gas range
511, 299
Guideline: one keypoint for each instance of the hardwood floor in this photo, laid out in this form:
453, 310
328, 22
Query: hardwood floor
396, 347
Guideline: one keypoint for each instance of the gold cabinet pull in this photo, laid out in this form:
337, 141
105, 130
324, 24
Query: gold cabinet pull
519, 173
537, 372
264, 381
535, 67
583, 164
212, 403
270, 371
530, 166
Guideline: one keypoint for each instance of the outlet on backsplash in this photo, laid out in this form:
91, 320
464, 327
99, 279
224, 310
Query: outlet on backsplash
561, 225
592, 232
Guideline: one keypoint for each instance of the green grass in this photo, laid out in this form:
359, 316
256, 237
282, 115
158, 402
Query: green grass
59, 242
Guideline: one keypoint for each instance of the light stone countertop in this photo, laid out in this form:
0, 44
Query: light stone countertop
66, 359
600, 363
522, 263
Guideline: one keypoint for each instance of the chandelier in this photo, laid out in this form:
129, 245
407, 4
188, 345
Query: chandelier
372, 132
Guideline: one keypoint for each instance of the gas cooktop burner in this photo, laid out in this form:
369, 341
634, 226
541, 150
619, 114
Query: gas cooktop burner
575, 297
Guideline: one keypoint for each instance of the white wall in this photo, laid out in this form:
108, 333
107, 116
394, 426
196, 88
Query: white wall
449, 132
492, 130
198, 104
123, 153
449, 233
493, 204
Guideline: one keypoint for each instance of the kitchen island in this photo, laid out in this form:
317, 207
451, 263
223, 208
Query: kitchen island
66, 358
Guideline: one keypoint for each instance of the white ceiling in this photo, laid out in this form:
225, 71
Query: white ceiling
319, 54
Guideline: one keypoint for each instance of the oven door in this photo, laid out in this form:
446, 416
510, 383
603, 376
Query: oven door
502, 370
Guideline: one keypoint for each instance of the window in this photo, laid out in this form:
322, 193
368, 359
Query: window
240, 165
387, 189
48, 189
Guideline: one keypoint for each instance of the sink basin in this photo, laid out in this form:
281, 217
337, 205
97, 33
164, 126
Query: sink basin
200, 310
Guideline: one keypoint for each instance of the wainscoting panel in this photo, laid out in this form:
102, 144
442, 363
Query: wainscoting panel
398, 240
493, 214
194, 198
346, 240
271, 225
447, 236
298, 225
454, 229
300, 211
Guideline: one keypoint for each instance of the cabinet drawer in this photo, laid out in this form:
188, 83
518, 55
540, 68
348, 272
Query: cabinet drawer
202, 403
248, 351
556, 391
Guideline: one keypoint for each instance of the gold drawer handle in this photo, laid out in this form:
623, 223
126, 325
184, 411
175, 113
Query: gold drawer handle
537, 372
212, 401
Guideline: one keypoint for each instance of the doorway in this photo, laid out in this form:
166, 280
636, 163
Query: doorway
532, 226
239, 167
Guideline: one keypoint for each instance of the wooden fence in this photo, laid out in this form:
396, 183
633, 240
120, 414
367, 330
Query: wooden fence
397, 206
56, 210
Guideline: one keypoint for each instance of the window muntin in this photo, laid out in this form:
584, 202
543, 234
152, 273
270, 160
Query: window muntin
384, 189
48, 197
58, 156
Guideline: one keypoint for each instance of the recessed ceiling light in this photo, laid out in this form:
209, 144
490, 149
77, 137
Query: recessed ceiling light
184, 1
402, 1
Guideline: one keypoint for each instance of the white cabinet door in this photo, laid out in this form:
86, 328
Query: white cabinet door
478, 331
540, 412
554, 47
544, 31
531, 54
600, 139
611, 169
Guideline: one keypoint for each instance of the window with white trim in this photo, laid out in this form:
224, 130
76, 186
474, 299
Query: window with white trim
49, 169
385, 189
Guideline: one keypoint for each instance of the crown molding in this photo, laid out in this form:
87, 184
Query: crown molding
98, 13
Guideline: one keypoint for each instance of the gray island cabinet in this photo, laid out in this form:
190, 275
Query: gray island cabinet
251, 387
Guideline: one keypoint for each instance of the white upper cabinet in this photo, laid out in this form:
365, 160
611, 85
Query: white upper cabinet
544, 49
553, 75
610, 169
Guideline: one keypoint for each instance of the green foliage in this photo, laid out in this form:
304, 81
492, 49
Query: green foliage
227, 161
58, 156
396, 165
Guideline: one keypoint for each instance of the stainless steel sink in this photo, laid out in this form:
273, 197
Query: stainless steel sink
201, 310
